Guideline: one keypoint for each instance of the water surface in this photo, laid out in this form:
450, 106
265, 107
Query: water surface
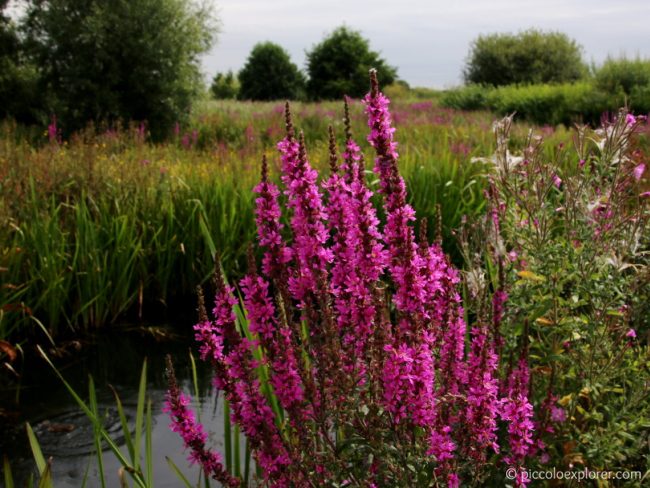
65, 434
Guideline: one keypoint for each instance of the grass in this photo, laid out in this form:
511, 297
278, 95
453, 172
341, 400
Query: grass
107, 227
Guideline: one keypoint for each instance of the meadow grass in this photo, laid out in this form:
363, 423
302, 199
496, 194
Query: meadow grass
108, 227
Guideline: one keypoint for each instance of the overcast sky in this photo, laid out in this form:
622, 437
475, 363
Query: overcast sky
426, 40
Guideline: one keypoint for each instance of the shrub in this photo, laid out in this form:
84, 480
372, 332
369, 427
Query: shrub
542, 104
552, 104
269, 74
349, 362
337, 66
623, 75
470, 97
566, 237
530, 56
224, 86
127, 61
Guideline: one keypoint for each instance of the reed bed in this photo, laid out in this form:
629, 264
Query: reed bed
108, 227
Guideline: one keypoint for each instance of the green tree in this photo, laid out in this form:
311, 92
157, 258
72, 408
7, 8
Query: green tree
18, 91
269, 74
531, 56
123, 60
339, 66
224, 86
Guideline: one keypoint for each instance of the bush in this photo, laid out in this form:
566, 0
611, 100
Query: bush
470, 97
630, 77
269, 74
623, 75
224, 86
543, 104
338, 66
566, 236
531, 56
552, 104
127, 61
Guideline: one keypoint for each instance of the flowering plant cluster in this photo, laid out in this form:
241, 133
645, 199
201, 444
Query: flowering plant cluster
355, 365
566, 236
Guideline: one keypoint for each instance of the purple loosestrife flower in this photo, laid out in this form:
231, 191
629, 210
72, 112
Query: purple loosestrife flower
558, 414
194, 437
366, 257
267, 217
638, 171
358, 253
351, 158
338, 193
518, 412
235, 375
250, 409
480, 416
336, 353
408, 381
352, 154
285, 377
309, 231
410, 296
452, 330
53, 131
209, 334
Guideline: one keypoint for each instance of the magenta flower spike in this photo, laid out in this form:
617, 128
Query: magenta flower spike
481, 413
285, 377
267, 218
194, 437
518, 412
307, 223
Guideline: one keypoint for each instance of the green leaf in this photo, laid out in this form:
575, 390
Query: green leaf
36, 449
178, 473
92, 395
149, 446
125, 426
139, 414
46, 477
9, 479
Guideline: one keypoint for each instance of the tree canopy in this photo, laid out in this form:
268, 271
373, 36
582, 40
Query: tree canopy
121, 60
224, 86
339, 66
269, 74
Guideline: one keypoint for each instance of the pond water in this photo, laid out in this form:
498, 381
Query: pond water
64, 432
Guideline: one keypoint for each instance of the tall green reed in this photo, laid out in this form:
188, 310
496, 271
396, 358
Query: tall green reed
107, 227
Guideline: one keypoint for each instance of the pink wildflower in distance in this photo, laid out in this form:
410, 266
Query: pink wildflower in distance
558, 414
638, 171
557, 181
